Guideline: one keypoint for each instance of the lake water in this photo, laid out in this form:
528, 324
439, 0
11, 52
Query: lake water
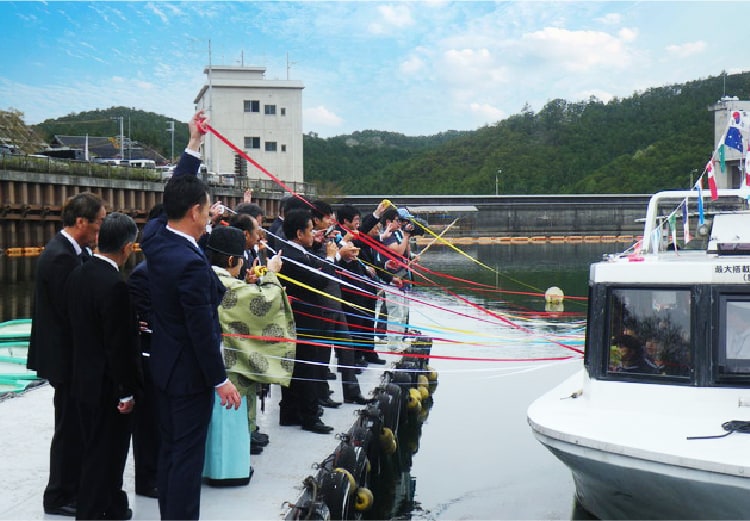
476, 457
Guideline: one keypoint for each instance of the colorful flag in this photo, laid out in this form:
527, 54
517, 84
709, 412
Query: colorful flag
722, 163
698, 186
733, 138
685, 223
747, 166
712, 181
673, 228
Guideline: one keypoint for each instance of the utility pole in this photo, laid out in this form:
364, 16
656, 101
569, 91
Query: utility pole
122, 136
171, 130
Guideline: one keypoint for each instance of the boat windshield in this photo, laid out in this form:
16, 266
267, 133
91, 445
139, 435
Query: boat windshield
650, 332
734, 335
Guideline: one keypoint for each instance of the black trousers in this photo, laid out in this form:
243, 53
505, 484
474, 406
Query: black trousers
183, 427
146, 433
65, 450
106, 441
299, 401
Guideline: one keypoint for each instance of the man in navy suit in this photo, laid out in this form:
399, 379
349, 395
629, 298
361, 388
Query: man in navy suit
106, 375
186, 362
51, 345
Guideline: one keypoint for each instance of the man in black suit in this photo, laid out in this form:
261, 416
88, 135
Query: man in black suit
105, 374
50, 348
299, 401
186, 363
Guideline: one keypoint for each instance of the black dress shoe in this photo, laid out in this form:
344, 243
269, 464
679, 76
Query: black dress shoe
375, 360
317, 426
255, 449
63, 510
331, 376
331, 404
122, 515
258, 438
359, 400
361, 363
148, 491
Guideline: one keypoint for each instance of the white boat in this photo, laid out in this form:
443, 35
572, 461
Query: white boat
646, 429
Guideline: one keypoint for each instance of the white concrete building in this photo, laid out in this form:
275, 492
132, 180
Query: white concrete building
723, 110
262, 117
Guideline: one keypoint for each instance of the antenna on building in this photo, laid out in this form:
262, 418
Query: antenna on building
288, 65
210, 152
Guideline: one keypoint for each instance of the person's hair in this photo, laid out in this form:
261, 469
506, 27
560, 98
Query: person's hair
347, 213
155, 211
116, 231
294, 221
242, 221
283, 203
183, 192
391, 214
251, 209
85, 204
321, 209
628, 341
295, 203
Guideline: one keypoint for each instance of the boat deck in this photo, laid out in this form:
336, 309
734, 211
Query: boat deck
653, 424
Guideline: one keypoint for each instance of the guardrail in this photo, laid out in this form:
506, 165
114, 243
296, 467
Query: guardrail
54, 165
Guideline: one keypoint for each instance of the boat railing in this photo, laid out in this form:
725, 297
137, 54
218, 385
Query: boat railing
655, 217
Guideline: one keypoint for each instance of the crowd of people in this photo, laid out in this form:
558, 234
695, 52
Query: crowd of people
179, 353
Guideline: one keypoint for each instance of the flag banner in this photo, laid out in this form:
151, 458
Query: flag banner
722, 163
712, 181
733, 139
685, 223
673, 228
747, 166
701, 217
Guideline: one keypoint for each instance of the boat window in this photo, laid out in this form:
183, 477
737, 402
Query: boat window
734, 335
649, 332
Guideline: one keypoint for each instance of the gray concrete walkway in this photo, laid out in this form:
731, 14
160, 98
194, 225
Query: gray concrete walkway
26, 425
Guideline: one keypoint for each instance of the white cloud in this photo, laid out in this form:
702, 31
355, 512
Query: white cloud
686, 49
158, 12
610, 19
391, 17
144, 85
412, 65
578, 50
487, 112
320, 116
396, 16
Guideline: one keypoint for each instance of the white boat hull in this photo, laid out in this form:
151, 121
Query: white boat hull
635, 462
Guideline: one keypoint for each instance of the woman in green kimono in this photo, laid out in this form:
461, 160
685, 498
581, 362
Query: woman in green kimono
259, 338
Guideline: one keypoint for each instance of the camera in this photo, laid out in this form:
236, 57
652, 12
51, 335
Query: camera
412, 228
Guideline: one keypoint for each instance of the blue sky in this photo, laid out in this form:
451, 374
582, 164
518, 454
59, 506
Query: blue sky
418, 67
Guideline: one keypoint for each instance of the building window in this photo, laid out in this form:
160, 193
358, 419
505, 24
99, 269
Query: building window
283, 148
252, 105
270, 146
252, 142
270, 110
283, 111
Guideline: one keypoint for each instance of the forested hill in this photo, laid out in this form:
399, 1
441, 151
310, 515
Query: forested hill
657, 139
654, 140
